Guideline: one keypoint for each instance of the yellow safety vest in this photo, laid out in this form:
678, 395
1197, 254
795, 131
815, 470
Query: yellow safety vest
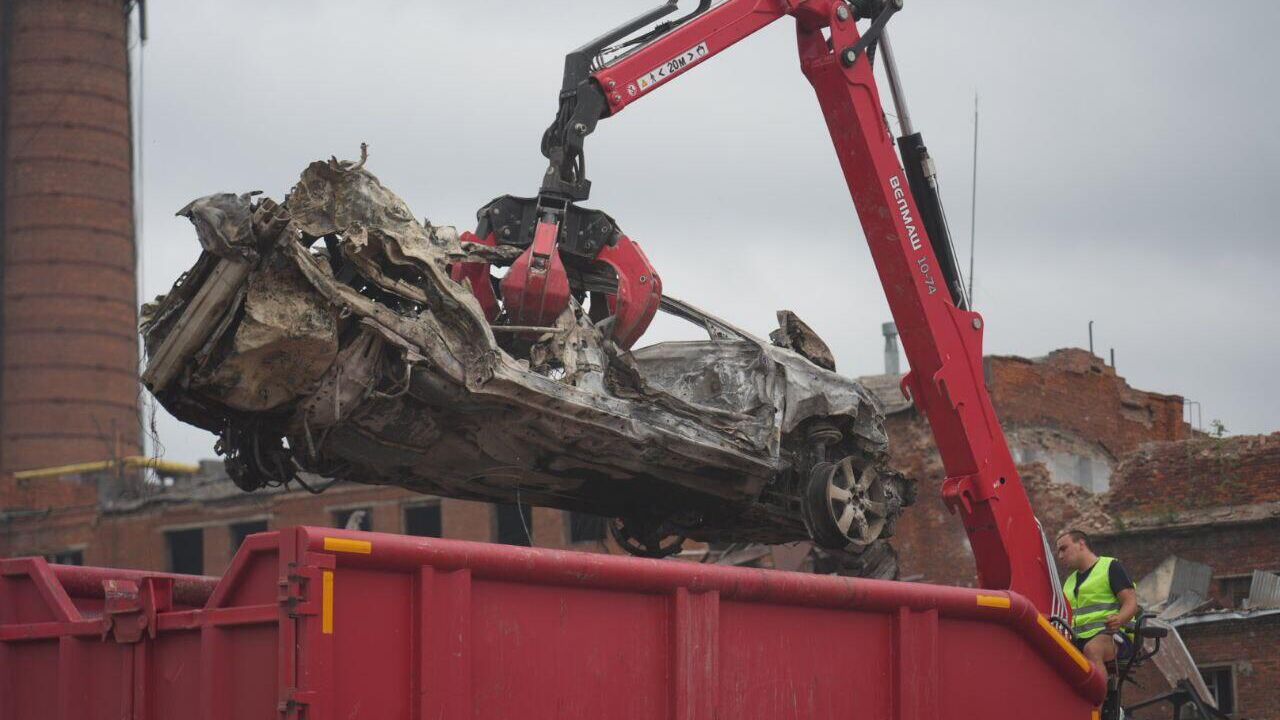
1095, 603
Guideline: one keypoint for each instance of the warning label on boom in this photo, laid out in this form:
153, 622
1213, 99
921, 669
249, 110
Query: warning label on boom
672, 67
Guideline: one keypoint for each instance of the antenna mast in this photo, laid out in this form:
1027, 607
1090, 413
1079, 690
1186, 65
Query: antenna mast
973, 205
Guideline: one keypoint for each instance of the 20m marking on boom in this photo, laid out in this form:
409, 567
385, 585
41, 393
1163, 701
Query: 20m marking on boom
673, 67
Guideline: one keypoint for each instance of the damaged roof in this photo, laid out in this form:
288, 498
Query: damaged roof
1200, 481
887, 391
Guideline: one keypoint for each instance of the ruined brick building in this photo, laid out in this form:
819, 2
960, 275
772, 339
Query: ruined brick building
1119, 463
1215, 502
195, 524
1068, 418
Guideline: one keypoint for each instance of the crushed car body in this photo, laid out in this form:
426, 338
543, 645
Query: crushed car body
324, 334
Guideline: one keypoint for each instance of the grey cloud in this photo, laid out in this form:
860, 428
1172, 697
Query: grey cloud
1128, 162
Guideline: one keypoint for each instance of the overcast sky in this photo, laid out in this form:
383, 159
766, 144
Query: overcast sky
1128, 166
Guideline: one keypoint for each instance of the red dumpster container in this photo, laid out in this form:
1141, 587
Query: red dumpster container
322, 624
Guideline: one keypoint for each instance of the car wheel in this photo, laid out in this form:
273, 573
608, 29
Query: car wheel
846, 505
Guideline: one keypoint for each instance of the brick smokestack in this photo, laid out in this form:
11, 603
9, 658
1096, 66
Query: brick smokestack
68, 306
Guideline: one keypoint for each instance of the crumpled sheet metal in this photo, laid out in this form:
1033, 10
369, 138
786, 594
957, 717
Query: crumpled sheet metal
350, 340
769, 389
285, 343
224, 224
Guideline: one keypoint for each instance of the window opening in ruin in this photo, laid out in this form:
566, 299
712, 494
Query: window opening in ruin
584, 527
1222, 686
348, 519
186, 551
1234, 589
66, 557
515, 524
242, 530
423, 521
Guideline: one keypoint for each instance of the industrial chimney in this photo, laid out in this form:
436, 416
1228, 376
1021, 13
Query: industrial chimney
68, 295
890, 331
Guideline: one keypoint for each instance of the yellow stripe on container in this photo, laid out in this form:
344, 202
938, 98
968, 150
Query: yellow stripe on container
326, 603
359, 547
993, 601
1064, 644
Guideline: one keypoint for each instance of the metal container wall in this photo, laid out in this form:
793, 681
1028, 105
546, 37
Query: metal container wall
68, 316
328, 624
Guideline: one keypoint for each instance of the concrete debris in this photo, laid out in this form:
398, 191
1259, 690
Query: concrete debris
324, 335
1062, 506
1068, 457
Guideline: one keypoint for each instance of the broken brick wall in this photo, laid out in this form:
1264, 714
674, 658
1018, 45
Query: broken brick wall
41, 516
1076, 392
931, 543
1210, 500
58, 515
1171, 480
1250, 649
136, 538
1230, 550
1245, 648
1214, 501
1068, 405
1233, 551
38, 493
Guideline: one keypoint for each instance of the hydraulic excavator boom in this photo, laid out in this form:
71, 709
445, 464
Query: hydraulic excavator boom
896, 200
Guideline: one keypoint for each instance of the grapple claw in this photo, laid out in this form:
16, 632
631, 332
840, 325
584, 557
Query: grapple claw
476, 275
536, 289
639, 291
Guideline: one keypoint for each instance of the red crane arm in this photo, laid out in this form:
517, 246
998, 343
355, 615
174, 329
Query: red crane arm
640, 73
943, 342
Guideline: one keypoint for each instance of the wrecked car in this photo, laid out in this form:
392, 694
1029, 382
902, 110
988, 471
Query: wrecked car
327, 334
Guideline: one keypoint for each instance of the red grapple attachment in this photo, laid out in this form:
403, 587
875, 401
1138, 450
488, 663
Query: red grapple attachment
639, 291
476, 275
536, 289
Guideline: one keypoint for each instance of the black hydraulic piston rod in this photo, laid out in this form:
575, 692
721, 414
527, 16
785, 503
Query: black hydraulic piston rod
922, 178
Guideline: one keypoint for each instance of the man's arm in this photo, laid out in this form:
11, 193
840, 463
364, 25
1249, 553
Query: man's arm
1127, 593
1128, 610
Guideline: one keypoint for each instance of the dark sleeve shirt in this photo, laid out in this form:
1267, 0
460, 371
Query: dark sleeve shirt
1116, 575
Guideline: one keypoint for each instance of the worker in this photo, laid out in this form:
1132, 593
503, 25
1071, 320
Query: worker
1103, 599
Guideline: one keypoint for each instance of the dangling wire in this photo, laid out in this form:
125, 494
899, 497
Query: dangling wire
520, 511
1058, 606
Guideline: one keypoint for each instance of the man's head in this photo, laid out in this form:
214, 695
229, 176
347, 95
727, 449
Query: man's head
1073, 550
